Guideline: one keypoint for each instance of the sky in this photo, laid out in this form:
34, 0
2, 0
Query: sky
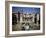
25, 10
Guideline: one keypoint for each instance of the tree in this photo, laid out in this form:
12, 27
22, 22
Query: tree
14, 19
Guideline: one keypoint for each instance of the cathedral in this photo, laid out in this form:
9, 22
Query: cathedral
26, 21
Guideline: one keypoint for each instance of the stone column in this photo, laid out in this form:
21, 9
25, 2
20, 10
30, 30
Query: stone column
20, 18
33, 17
37, 18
